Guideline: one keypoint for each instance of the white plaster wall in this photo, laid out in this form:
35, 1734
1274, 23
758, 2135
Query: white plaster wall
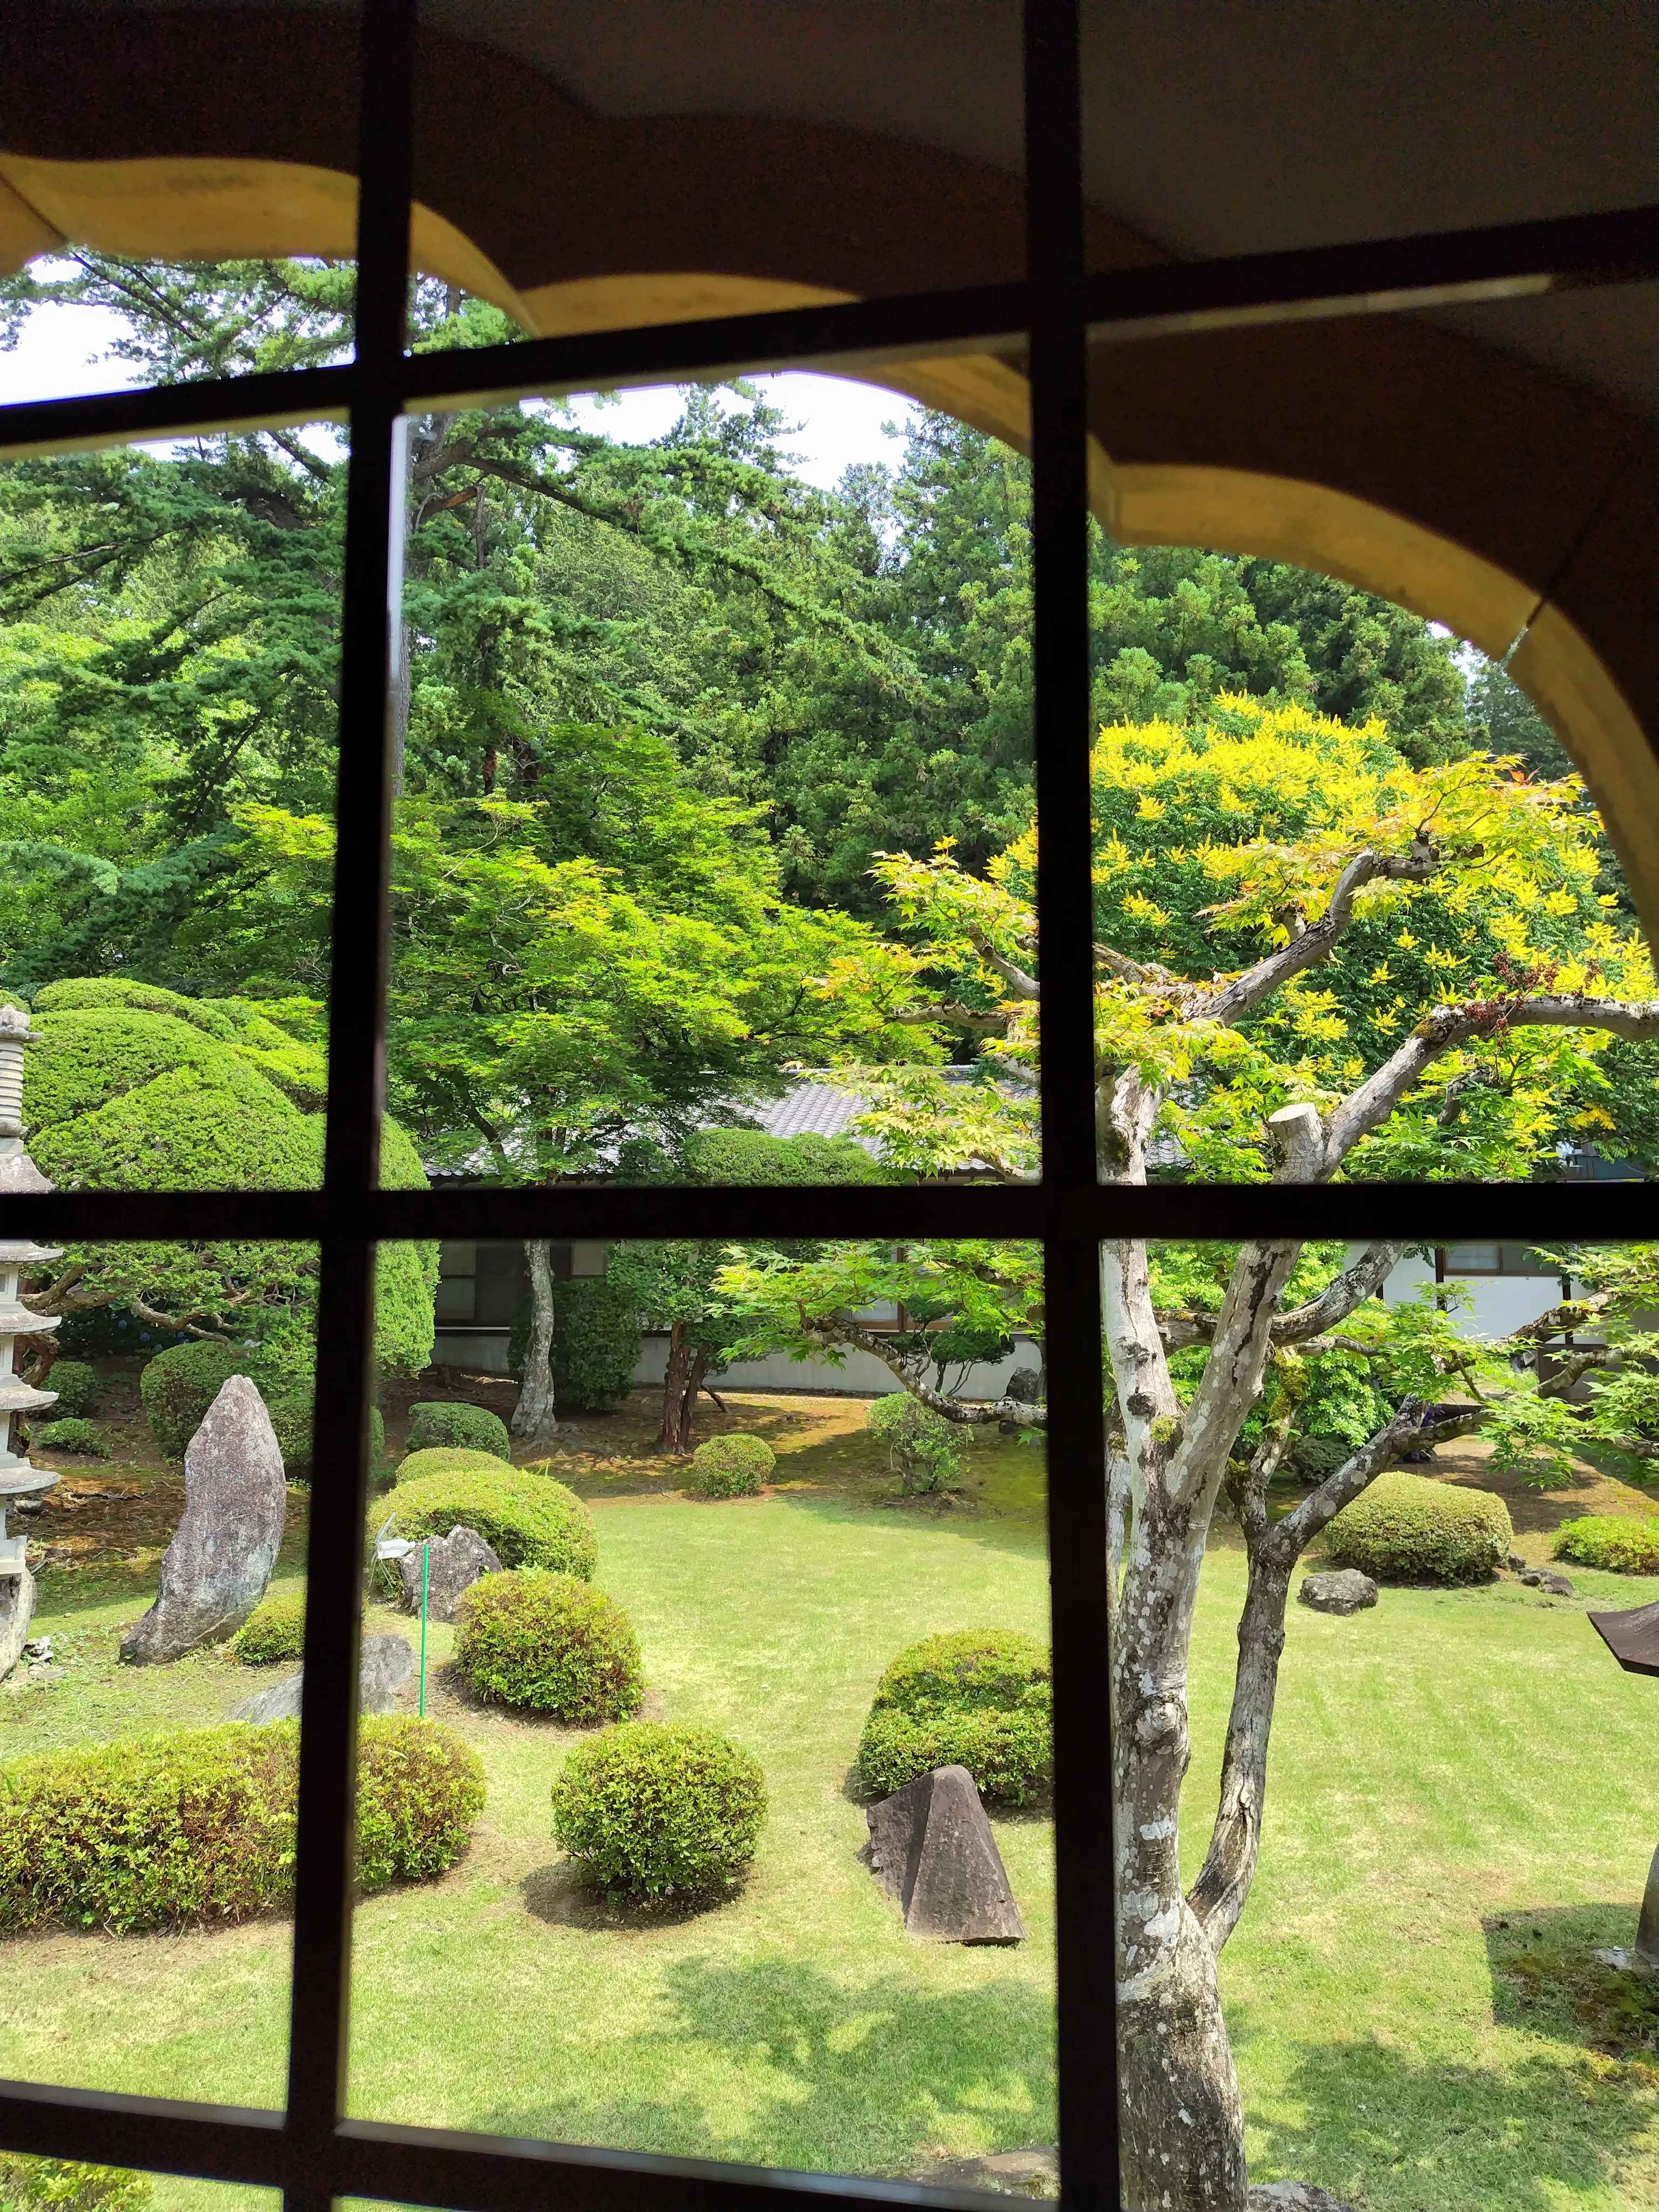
1500, 1304
484, 1351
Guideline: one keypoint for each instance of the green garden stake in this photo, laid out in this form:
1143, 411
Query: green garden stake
426, 1564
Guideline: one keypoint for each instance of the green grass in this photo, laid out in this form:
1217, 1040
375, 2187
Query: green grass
1464, 1797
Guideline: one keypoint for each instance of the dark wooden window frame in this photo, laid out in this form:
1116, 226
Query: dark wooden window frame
308, 2150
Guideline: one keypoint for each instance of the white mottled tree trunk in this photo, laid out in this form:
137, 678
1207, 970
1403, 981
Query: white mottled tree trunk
535, 1416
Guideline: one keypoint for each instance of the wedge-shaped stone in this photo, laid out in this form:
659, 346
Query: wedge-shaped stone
931, 1846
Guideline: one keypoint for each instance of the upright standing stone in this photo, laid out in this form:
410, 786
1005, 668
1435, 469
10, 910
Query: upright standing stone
453, 1564
932, 1847
222, 1552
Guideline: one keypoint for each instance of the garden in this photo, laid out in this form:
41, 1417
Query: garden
1460, 1818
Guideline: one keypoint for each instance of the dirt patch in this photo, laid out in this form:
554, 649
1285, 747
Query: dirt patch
1537, 1514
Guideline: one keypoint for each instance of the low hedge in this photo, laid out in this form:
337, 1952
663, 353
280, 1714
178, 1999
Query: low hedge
451, 1425
77, 1382
552, 1643
276, 1629
65, 2185
732, 1467
161, 1831
1410, 1528
440, 1459
71, 1436
978, 1698
654, 1809
1619, 1542
527, 1519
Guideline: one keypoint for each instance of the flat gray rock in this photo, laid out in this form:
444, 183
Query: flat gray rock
931, 1846
454, 1563
387, 1665
1293, 2196
222, 1550
1343, 1590
1542, 1578
1005, 2173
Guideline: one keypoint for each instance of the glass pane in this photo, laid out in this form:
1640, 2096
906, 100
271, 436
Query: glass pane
1373, 879
168, 667
704, 166
155, 1486
713, 1560
712, 858
1417, 1490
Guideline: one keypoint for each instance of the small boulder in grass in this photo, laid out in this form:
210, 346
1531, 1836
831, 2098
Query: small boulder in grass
1343, 1590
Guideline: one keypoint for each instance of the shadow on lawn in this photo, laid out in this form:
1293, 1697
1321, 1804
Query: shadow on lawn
766, 2061
1545, 1977
1381, 2127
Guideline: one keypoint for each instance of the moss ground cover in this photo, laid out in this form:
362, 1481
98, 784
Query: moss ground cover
1461, 1807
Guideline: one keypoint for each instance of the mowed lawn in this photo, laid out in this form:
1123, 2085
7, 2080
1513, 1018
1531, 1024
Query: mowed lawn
1464, 1797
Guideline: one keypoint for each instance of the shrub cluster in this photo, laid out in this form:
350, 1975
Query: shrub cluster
76, 1382
551, 1642
65, 2185
71, 1436
978, 1698
732, 1467
526, 1520
1619, 1542
659, 1810
920, 1448
276, 1629
158, 1830
596, 1344
1410, 1528
440, 1459
451, 1425
179, 1384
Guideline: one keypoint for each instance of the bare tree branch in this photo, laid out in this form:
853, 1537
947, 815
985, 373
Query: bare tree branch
1246, 991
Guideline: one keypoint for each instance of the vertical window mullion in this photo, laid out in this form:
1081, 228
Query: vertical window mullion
345, 1313
1084, 1945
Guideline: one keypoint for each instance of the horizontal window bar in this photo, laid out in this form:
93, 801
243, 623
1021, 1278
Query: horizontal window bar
1433, 268
1438, 1213
214, 2142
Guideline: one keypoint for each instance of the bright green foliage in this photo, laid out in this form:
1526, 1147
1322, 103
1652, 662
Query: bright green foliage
1619, 1542
452, 1426
72, 1435
920, 1450
549, 1643
420, 1787
527, 1519
177, 1387
65, 2185
276, 1629
445, 1459
596, 1344
135, 1088
978, 1698
161, 1830
732, 1467
1409, 1529
76, 1382
657, 1809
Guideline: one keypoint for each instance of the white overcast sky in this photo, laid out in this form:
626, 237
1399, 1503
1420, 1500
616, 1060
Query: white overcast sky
59, 357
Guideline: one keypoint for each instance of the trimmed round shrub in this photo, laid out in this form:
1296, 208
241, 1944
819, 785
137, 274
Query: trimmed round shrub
1619, 1542
657, 1809
732, 1467
439, 1459
551, 1642
159, 1831
526, 1520
1410, 1528
71, 1436
451, 1425
77, 1382
596, 1344
178, 1386
920, 1448
276, 1629
978, 1698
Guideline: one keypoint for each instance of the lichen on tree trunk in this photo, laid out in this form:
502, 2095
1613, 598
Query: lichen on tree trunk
535, 1416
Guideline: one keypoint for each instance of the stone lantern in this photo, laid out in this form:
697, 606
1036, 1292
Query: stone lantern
18, 1479
1633, 1639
